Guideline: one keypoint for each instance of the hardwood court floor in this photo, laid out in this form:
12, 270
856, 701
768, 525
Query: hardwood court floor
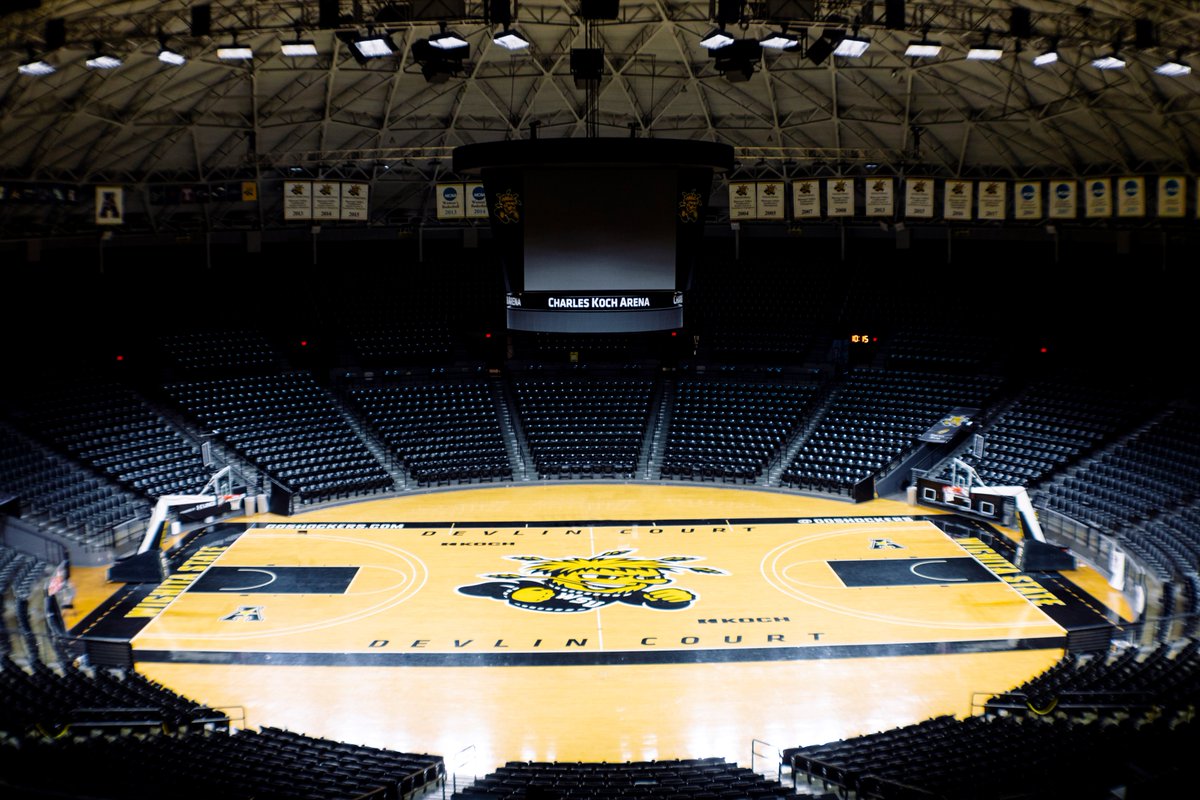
363, 634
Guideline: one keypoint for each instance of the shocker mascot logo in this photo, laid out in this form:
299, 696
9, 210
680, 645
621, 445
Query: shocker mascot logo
506, 208
689, 206
585, 584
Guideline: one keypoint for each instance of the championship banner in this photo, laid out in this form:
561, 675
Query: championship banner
1097, 201
880, 197
770, 200
839, 197
476, 201
1131, 196
1172, 198
742, 201
918, 198
992, 196
806, 199
957, 202
110, 205
354, 202
1027, 200
450, 201
1063, 204
327, 200
297, 200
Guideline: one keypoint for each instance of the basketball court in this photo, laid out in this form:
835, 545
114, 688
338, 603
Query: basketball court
600, 622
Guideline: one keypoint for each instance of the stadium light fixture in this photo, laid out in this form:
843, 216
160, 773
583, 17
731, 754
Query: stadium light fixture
923, 49
985, 52
298, 48
170, 56
1174, 67
374, 45
716, 39
447, 40
1109, 61
101, 59
1046, 57
852, 47
234, 51
36, 67
510, 40
779, 40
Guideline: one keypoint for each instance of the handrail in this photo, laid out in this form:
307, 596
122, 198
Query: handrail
457, 764
754, 753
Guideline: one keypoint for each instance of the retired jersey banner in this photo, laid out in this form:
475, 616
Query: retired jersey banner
327, 200
1097, 199
1062, 200
1172, 197
806, 199
354, 202
992, 196
880, 198
957, 201
918, 198
743, 201
476, 201
770, 199
1131, 196
297, 200
110, 205
839, 197
1027, 200
450, 201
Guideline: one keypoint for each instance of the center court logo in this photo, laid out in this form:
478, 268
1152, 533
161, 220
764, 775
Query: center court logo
578, 583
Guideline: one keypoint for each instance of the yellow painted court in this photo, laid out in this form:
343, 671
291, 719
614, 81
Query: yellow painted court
602, 622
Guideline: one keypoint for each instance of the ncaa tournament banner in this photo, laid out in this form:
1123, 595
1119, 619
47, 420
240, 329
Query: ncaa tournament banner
918, 198
1097, 201
742, 201
450, 202
1027, 200
327, 200
476, 199
992, 197
297, 200
957, 200
880, 200
110, 205
354, 202
806, 199
1062, 200
770, 199
839, 197
1131, 196
1171, 196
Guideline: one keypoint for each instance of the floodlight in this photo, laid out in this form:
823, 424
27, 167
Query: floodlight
716, 39
36, 67
234, 51
1046, 58
779, 40
374, 45
298, 48
102, 60
448, 40
1173, 68
923, 49
173, 57
510, 40
1110, 61
985, 52
852, 47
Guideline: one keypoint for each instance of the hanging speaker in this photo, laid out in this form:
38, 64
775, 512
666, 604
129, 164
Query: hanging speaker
1020, 24
328, 14
201, 20
599, 9
1143, 34
56, 33
893, 15
499, 12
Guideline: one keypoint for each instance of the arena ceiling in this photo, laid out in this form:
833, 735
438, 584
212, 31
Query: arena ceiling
147, 122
